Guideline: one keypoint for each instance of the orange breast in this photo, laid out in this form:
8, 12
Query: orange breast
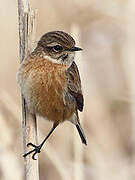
44, 86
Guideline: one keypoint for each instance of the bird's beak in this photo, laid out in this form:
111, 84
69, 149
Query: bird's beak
76, 49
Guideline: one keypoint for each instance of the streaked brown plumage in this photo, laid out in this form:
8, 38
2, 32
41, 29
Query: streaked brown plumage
50, 83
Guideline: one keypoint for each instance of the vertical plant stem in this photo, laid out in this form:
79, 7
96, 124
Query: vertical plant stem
29, 124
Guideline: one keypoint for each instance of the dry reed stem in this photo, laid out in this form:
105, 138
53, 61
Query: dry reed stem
26, 31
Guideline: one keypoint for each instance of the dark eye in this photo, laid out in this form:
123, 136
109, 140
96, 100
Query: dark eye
58, 48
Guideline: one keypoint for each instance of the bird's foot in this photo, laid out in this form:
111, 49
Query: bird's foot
34, 151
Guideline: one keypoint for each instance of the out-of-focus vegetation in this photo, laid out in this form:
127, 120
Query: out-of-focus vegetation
106, 32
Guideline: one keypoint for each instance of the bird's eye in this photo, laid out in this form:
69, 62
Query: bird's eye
58, 48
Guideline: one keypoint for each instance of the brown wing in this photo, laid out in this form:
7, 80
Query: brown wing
74, 85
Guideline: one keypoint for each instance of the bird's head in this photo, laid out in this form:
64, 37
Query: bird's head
58, 47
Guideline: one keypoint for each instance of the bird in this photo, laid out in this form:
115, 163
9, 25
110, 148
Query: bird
50, 83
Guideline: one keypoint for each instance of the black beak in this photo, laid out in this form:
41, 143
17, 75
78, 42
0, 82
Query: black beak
76, 49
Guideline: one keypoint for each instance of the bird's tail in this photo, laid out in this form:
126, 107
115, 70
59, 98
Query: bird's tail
81, 133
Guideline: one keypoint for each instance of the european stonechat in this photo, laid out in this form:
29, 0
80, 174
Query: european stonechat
50, 83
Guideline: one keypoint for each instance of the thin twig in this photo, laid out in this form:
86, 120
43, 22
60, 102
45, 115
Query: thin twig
26, 31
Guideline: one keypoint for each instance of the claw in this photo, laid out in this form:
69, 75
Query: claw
33, 156
30, 144
35, 150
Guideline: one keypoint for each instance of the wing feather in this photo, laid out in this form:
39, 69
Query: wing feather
74, 85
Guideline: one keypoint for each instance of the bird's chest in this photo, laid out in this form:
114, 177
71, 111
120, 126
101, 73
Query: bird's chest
50, 85
44, 88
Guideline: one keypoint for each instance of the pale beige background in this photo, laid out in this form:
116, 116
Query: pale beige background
107, 66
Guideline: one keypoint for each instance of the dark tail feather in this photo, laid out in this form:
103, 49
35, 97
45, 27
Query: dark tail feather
81, 133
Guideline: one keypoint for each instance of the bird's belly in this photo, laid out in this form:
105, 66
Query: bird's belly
45, 97
51, 105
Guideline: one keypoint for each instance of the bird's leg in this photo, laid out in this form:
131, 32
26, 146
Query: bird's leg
38, 148
81, 133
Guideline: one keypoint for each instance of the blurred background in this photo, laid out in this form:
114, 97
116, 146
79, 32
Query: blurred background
106, 32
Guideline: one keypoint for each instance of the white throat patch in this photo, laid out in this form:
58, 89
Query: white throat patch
51, 59
68, 61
